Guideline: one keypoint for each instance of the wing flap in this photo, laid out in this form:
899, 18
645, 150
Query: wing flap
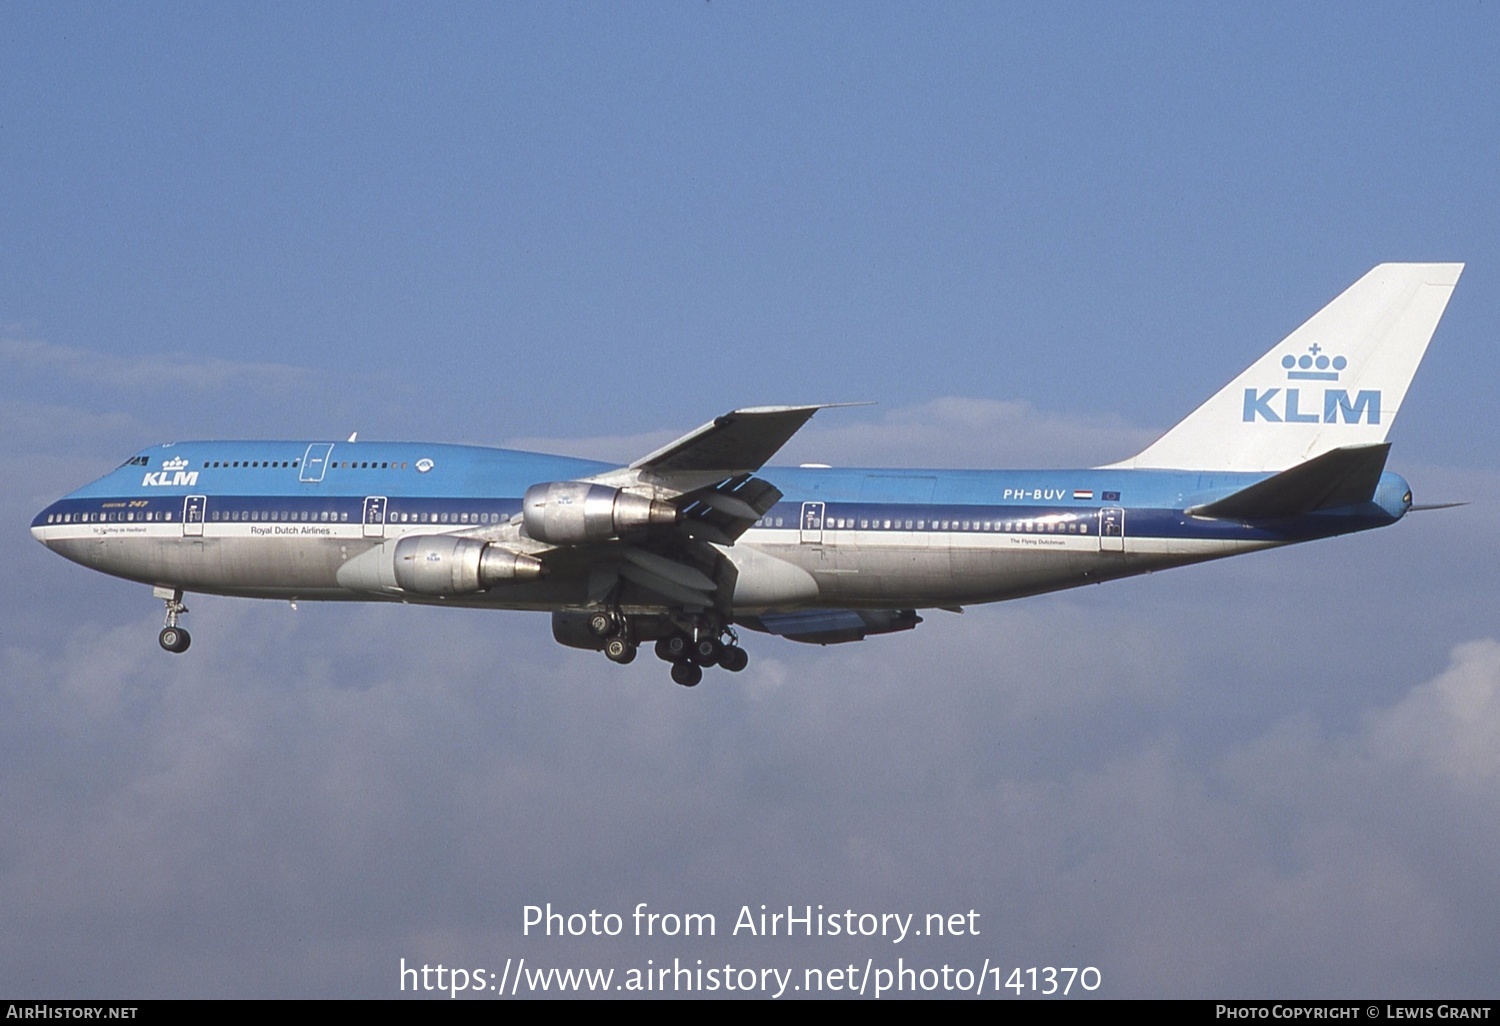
725, 511
671, 590
670, 570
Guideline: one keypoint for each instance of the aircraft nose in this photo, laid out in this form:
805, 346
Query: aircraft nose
39, 526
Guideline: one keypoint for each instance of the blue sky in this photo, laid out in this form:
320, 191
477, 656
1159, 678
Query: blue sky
1033, 235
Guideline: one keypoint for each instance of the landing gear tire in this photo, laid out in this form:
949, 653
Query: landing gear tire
734, 659
687, 674
602, 625
618, 650
174, 639
707, 651
672, 649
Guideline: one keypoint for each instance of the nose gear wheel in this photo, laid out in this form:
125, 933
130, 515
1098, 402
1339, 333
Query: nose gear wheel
172, 637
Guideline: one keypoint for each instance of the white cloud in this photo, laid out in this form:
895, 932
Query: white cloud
156, 372
347, 789
1449, 727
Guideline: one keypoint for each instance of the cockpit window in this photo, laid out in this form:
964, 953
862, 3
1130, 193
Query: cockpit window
137, 461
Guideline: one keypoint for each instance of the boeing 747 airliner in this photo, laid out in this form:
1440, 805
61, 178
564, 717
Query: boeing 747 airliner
685, 544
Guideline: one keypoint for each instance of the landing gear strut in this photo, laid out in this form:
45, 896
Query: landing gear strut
617, 633
172, 637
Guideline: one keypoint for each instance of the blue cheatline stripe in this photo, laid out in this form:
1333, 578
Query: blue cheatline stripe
858, 518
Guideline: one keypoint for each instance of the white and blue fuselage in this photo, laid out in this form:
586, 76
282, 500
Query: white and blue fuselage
265, 519
696, 538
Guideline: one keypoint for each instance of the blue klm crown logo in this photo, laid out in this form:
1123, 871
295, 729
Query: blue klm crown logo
1290, 406
1301, 368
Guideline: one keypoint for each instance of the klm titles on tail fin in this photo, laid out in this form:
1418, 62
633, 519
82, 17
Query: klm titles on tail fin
1336, 381
1335, 406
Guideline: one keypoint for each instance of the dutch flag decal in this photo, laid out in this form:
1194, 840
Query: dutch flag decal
1080, 493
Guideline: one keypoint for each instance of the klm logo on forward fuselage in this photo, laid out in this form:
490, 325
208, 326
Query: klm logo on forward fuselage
173, 474
1299, 405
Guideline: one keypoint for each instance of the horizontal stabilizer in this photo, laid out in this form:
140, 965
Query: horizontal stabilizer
1340, 477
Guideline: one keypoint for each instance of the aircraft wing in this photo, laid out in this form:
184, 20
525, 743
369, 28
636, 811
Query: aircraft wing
708, 472
708, 475
711, 469
739, 442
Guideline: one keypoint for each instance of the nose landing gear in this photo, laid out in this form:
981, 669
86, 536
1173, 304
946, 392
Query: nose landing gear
172, 637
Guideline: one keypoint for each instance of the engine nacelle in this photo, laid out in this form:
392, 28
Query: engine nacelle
574, 512
438, 564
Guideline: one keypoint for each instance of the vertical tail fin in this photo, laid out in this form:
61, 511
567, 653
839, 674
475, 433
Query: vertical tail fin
1336, 381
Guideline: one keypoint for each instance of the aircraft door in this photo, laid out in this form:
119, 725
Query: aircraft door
1111, 529
375, 516
314, 462
812, 523
192, 515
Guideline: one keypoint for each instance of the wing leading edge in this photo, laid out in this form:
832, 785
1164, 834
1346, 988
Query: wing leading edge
739, 442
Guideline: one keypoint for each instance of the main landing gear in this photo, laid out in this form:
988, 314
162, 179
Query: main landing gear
690, 650
172, 637
618, 635
688, 644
